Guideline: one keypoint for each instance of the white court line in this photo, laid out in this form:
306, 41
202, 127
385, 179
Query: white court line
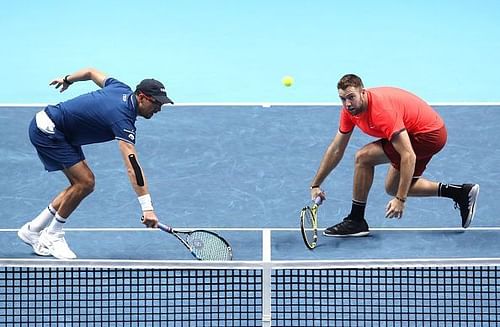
258, 229
266, 245
262, 104
249, 264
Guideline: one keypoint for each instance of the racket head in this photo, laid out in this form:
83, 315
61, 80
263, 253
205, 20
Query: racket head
208, 245
309, 226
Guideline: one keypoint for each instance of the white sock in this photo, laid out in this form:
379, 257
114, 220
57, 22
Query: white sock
43, 219
56, 224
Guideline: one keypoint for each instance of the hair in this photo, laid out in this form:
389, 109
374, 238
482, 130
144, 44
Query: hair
349, 80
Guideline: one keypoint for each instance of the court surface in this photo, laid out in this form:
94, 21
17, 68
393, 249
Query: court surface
242, 169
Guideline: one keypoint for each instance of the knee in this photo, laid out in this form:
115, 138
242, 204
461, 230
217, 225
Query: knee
87, 185
362, 157
390, 189
90, 185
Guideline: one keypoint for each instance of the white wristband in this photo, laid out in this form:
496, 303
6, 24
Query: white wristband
145, 201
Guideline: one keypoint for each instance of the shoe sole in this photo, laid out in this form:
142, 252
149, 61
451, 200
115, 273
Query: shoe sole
27, 241
473, 194
360, 234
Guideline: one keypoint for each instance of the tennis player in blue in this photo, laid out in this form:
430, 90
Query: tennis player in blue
58, 133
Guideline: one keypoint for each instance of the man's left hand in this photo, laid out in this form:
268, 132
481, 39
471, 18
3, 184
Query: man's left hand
394, 209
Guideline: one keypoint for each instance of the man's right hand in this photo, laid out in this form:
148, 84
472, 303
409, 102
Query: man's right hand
316, 191
149, 219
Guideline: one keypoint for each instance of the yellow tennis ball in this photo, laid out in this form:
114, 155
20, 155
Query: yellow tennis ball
287, 81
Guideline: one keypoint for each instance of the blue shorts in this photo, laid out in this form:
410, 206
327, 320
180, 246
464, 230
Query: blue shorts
53, 149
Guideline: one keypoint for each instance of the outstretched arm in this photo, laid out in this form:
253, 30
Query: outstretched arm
331, 158
139, 183
85, 74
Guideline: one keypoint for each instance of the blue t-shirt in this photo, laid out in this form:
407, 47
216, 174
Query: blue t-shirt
99, 116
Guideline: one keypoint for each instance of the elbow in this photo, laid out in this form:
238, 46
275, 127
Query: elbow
131, 174
87, 73
336, 151
90, 73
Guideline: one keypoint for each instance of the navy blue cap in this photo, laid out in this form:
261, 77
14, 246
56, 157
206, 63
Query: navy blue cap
154, 89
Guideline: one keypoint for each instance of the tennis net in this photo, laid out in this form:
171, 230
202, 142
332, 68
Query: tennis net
254, 293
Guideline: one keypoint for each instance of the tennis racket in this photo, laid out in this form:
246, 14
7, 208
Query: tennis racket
203, 244
309, 223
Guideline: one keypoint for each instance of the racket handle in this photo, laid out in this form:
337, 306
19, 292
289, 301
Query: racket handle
161, 226
165, 228
318, 200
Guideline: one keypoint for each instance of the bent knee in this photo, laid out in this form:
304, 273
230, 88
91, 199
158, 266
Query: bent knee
371, 154
391, 186
392, 191
86, 185
362, 156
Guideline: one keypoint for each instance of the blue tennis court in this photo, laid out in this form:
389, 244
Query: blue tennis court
245, 168
244, 171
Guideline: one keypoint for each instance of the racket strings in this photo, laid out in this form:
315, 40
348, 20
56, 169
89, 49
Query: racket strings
208, 246
309, 228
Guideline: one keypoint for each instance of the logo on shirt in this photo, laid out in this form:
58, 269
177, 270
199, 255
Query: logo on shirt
131, 134
124, 97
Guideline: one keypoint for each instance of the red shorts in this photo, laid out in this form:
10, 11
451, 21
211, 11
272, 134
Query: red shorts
424, 145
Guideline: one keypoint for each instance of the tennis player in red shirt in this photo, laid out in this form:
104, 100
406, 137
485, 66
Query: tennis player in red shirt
409, 133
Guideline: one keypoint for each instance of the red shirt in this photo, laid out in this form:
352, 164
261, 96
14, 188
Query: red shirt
389, 111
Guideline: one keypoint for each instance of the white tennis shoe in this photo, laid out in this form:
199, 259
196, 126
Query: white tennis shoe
32, 239
56, 245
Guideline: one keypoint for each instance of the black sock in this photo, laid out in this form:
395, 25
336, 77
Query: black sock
357, 210
451, 191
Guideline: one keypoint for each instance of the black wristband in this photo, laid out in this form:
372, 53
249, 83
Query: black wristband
314, 186
400, 199
65, 80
